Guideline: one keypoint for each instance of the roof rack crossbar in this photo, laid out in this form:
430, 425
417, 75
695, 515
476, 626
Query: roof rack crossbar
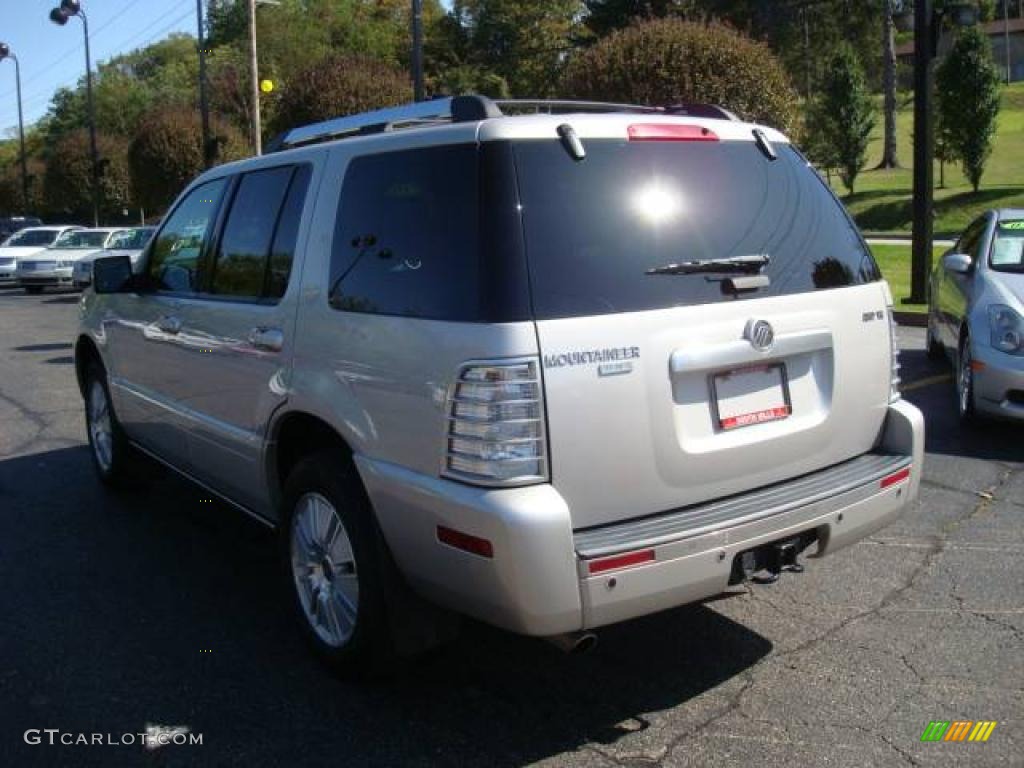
469, 108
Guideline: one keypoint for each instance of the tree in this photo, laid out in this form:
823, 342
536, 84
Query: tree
167, 153
968, 101
67, 185
889, 159
668, 61
604, 16
339, 85
844, 114
524, 42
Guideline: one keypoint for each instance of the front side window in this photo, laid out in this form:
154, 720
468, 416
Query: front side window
175, 256
406, 238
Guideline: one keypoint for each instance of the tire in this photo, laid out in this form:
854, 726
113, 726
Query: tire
965, 382
936, 352
112, 454
33, 290
335, 565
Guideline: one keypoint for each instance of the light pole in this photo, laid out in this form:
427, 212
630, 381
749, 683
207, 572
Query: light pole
60, 16
209, 149
254, 71
417, 49
5, 53
927, 25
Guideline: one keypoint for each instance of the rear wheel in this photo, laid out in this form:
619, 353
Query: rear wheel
334, 562
33, 290
965, 381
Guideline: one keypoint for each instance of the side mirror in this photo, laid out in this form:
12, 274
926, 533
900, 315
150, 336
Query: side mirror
957, 262
112, 274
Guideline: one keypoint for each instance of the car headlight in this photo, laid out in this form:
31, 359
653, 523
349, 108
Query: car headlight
1007, 329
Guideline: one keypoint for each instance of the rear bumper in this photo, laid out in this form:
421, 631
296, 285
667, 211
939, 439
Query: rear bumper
538, 580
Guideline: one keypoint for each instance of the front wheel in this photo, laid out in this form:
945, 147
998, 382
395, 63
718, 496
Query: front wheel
965, 382
111, 452
334, 562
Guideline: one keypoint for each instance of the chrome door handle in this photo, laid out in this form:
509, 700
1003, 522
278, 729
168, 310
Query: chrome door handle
271, 339
169, 324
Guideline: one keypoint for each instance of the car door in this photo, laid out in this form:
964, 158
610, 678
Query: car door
954, 287
148, 358
236, 334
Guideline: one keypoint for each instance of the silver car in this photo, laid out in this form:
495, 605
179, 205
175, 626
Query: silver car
54, 266
553, 371
976, 315
127, 242
25, 244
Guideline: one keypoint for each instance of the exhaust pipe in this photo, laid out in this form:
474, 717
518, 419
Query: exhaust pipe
573, 643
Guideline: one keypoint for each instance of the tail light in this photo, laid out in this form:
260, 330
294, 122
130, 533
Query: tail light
894, 374
495, 430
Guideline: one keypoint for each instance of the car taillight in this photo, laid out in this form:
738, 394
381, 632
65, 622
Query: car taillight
894, 374
496, 425
669, 132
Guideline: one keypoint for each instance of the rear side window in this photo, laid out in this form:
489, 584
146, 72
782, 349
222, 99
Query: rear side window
406, 239
282, 252
240, 266
594, 227
174, 258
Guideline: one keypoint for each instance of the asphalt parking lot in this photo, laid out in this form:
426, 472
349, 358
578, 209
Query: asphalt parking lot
158, 606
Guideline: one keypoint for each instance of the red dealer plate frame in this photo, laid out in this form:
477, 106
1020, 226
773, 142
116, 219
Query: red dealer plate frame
747, 381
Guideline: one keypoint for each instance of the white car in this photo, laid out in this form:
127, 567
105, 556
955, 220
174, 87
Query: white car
54, 265
23, 244
128, 242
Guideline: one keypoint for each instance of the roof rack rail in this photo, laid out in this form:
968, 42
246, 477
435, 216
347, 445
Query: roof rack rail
470, 108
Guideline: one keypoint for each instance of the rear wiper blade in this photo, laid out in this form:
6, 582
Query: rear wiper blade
746, 264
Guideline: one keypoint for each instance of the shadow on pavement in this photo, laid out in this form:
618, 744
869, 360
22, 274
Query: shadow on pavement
43, 347
160, 605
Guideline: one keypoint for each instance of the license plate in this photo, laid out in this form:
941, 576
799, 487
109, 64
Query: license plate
748, 396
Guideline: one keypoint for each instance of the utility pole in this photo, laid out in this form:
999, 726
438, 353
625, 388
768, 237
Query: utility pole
1006, 39
257, 142
924, 150
417, 49
807, 53
5, 53
209, 149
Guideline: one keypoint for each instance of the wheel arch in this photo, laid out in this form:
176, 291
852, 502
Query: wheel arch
86, 353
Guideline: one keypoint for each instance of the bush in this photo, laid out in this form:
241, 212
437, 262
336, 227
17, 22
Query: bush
668, 61
339, 85
167, 153
68, 177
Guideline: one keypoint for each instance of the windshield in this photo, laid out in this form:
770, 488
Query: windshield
1008, 247
131, 239
595, 228
81, 239
27, 238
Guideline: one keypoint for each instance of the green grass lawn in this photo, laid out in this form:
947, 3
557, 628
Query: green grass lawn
882, 202
894, 261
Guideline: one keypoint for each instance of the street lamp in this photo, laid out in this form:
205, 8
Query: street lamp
254, 67
5, 53
60, 16
927, 21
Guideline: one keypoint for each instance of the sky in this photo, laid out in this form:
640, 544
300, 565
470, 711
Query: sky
53, 56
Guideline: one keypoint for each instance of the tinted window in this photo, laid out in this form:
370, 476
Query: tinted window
594, 228
241, 261
174, 257
33, 237
970, 243
406, 240
283, 251
81, 238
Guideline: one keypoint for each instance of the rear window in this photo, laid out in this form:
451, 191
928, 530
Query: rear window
33, 237
594, 227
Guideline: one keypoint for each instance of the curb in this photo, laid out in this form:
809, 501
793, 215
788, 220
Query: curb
912, 319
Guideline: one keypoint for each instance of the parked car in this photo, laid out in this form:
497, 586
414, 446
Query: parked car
553, 371
11, 224
976, 315
24, 244
54, 266
127, 242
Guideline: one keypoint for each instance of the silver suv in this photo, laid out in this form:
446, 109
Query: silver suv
550, 365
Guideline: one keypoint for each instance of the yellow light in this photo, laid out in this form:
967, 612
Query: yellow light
266, 86
657, 202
